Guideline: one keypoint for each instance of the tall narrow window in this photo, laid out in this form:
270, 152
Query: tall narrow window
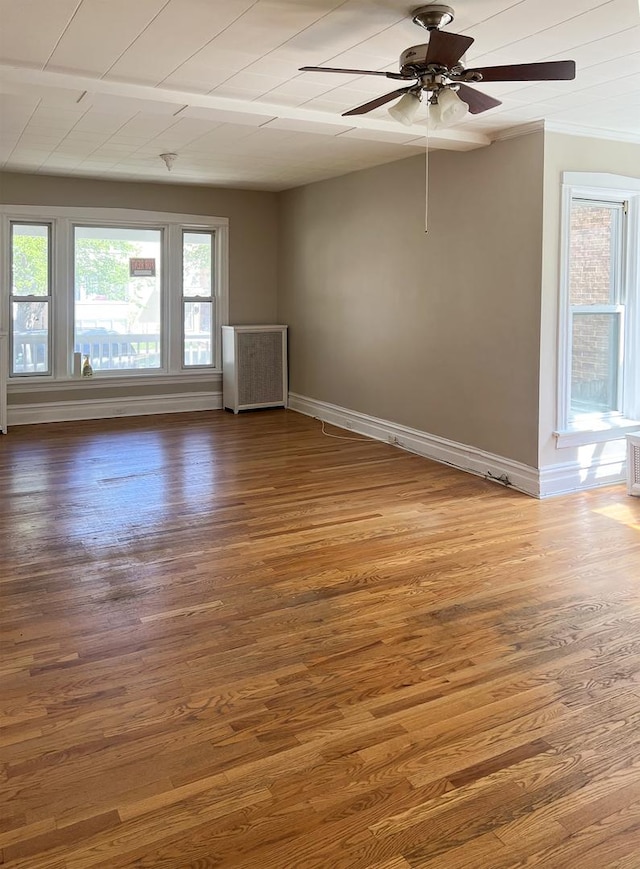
596, 307
117, 297
30, 298
599, 313
197, 298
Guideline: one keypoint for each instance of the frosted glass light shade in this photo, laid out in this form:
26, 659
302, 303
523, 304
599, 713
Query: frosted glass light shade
448, 110
406, 109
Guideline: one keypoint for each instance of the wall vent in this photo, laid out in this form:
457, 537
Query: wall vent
633, 464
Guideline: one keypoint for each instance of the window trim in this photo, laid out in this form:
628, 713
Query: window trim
165, 319
186, 299
62, 220
620, 313
605, 188
48, 299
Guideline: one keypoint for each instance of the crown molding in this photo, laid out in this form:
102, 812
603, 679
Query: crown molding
549, 126
521, 130
591, 132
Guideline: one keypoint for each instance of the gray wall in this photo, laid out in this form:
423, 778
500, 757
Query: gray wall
565, 153
439, 332
253, 229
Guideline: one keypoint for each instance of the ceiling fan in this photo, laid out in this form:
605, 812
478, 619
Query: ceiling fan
435, 69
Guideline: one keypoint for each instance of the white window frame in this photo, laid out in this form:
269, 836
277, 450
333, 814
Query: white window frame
61, 326
190, 298
48, 299
602, 188
165, 320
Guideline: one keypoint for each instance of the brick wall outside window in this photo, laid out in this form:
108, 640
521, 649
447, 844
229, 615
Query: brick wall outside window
590, 283
590, 257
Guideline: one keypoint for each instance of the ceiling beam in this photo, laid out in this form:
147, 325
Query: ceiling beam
18, 79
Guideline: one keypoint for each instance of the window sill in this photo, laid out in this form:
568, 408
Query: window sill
599, 433
101, 381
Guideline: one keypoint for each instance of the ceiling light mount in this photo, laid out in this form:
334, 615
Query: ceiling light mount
433, 17
169, 160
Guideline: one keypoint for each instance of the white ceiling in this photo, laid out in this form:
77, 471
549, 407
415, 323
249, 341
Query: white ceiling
102, 87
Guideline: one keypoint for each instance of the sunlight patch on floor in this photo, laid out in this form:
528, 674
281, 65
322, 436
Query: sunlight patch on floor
625, 513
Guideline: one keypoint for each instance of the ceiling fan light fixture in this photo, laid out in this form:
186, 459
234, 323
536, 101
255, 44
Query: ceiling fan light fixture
437, 68
406, 109
449, 109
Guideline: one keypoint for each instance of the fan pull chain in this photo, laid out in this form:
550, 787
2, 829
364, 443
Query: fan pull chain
426, 173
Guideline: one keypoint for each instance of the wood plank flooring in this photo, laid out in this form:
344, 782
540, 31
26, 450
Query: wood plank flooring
231, 641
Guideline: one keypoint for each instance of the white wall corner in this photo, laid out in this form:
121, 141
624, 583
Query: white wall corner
461, 456
601, 464
105, 408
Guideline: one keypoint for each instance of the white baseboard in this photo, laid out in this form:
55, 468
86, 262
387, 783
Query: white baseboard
104, 408
592, 472
461, 456
603, 466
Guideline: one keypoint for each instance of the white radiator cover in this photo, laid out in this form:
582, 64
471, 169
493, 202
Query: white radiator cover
633, 464
254, 367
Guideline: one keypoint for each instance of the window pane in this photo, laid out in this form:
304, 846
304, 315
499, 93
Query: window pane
197, 250
198, 343
117, 297
30, 338
592, 254
29, 260
594, 363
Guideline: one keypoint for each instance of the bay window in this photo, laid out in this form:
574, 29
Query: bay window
139, 293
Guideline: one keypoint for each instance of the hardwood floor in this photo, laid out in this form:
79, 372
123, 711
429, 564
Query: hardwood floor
232, 641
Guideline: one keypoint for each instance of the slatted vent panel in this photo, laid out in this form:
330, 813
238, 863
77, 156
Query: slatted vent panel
259, 367
633, 465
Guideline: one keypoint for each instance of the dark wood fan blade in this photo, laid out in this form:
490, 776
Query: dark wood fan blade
551, 70
373, 104
476, 100
394, 75
446, 49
